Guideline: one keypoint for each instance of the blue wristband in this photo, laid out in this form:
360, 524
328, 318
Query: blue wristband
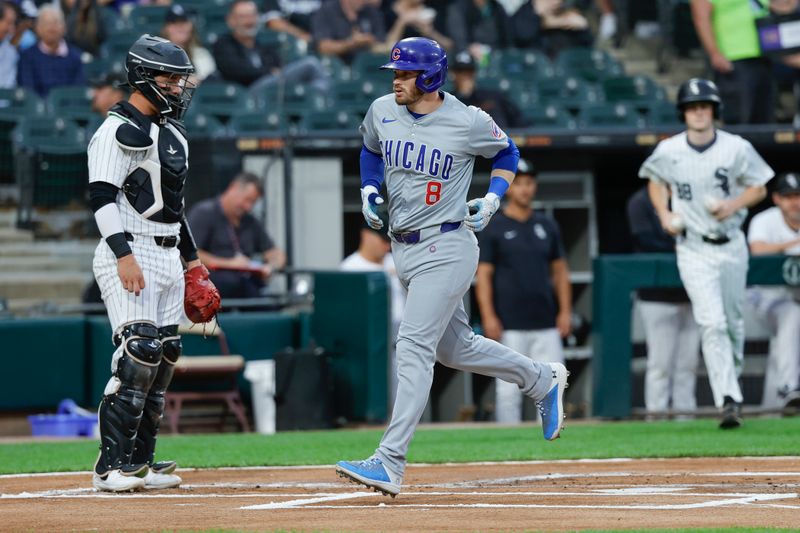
498, 185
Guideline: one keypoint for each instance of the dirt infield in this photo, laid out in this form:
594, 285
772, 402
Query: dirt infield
557, 495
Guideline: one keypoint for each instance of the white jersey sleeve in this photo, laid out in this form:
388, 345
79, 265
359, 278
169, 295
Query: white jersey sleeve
107, 161
754, 170
369, 132
485, 137
655, 166
760, 229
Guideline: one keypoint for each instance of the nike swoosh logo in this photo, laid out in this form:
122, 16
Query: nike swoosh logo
387, 120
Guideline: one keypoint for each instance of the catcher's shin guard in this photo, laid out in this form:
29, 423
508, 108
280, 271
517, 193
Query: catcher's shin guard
124, 399
145, 447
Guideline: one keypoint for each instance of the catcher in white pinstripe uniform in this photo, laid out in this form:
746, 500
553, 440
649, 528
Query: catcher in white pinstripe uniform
137, 169
712, 177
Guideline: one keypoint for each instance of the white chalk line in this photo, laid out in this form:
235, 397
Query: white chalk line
669, 507
420, 465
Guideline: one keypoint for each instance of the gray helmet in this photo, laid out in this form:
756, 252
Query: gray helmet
150, 56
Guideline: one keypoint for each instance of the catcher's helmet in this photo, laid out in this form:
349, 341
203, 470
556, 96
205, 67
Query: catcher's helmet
424, 55
699, 90
150, 56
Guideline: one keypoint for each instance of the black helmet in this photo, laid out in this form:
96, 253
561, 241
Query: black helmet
150, 56
699, 90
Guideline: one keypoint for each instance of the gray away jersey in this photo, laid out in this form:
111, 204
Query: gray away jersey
110, 163
429, 160
721, 171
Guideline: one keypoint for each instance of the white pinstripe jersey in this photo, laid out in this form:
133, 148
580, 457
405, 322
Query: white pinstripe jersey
721, 171
428, 161
110, 163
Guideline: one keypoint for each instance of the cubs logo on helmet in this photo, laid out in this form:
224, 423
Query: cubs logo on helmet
424, 56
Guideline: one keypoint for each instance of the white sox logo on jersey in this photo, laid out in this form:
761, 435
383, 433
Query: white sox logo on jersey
721, 175
409, 155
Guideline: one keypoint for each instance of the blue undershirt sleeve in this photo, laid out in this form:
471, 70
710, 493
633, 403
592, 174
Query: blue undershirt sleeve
371, 168
507, 158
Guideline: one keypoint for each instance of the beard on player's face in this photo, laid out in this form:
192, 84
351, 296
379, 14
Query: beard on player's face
405, 89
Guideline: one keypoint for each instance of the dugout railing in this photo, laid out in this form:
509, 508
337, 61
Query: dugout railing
616, 277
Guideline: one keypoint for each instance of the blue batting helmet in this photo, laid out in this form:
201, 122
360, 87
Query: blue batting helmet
424, 55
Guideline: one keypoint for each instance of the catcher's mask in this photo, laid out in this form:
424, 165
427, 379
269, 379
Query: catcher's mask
153, 56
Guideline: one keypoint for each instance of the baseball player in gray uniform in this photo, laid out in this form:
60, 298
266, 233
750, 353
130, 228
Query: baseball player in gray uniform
137, 169
423, 141
777, 231
713, 177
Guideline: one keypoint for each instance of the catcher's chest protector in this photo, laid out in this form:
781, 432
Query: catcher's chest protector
155, 188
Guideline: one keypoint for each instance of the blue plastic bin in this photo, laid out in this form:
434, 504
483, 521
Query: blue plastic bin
69, 421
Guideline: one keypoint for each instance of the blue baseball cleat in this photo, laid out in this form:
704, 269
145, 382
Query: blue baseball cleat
371, 473
551, 406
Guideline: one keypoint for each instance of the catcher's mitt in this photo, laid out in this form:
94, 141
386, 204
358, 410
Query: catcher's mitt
202, 299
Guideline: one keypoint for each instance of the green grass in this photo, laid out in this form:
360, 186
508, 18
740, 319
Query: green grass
698, 438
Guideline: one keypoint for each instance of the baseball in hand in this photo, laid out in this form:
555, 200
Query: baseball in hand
712, 204
676, 223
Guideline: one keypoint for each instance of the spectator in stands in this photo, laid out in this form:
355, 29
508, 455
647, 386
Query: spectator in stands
411, 18
8, 52
502, 110
52, 62
24, 37
478, 26
374, 254
85, 27
608, 20
242, 59
771, 232
291, 16
727, 32
345, 27
550, 25
232, 243
787, 71
671, 334
523, 288
179, 28
107, 90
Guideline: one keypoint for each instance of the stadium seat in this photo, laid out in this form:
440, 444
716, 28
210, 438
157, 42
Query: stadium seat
15, 105
548, 116
51, 175
569, 92
336, 68
47, 132
367, 65
632, 89
257, 124
662, 113
148, 16
528, 64
222, 99
112, 20
331, 120
590, 64
354, 95
617, 114
74, 103
199, 124
116, 46
292, 102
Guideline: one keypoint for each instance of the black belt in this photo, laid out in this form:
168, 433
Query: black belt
168, 241
716, 239
413, 237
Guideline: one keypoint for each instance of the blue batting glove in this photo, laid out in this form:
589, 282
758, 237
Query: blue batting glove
481, 211
370, 200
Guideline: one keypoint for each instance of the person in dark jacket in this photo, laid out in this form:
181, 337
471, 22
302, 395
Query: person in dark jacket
241, 59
